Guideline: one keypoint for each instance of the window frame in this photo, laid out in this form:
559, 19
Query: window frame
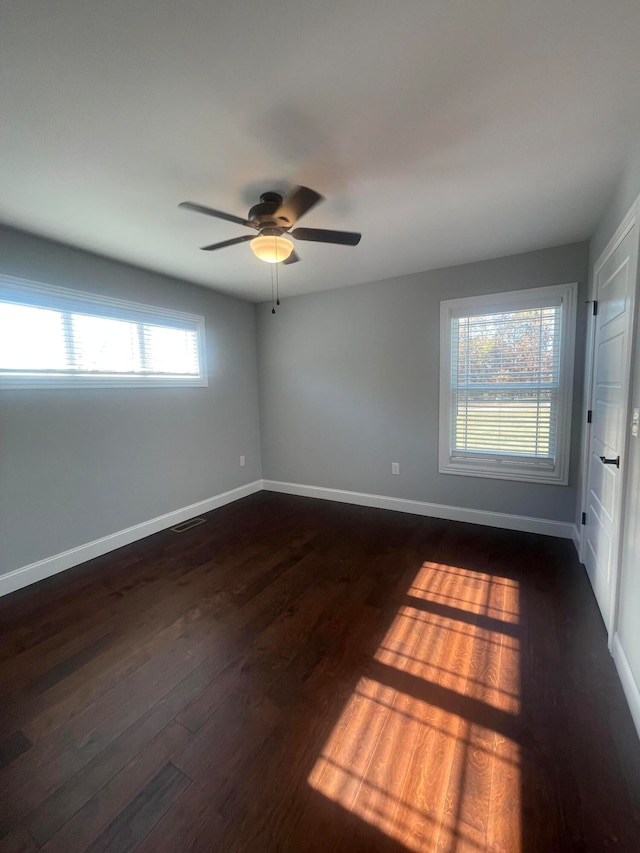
498, 303
48, 296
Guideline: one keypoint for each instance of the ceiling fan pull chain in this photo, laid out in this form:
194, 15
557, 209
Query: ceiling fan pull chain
273, 310
277, 284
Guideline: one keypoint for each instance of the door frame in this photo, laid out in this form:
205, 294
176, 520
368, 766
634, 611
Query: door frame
631, 219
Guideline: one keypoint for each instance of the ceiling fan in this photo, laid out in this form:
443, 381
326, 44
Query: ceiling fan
273, 218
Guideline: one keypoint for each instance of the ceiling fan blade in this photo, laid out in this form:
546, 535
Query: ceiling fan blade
301, 200
292, 259
209, 211
232, 242
321, 235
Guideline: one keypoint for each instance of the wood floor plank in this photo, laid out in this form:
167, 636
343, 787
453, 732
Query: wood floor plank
102, 818
199, 821
296, 675
409, 772
504, 815
18, 841
66, 667
57, 706
40, 771
135, 822
58, 808
13, 746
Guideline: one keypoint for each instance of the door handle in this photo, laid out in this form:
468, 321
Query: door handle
615, 461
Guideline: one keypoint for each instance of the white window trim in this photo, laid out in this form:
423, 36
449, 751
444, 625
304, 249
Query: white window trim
46, 296
513, 300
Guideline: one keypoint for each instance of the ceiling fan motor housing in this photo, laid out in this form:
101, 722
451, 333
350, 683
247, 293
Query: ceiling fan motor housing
263, 213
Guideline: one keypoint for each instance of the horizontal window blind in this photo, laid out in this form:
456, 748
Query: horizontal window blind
505, 377
53, 334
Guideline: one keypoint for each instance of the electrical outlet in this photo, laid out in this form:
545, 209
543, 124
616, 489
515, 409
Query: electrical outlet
242, 461
395, 467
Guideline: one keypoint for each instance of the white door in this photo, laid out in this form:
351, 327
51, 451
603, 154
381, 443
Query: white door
614, 292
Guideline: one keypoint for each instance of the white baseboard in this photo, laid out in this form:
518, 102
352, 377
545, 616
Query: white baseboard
629, 684
34, 572
59, 562
547, 527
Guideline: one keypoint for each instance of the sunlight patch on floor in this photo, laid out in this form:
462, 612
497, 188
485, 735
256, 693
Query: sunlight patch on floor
426, 749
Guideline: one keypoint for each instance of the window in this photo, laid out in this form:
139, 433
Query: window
55, 337
506, 375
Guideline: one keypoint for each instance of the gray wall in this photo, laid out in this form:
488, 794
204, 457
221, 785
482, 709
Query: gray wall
623, 197
349, 383
76, 465
629, 612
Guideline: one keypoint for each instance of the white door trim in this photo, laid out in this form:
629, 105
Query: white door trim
631, 219
621, 232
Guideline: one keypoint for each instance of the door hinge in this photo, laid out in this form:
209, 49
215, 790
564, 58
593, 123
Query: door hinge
595, 307
584, 518
589, 416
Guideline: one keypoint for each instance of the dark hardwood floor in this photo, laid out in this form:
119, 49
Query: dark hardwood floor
297, 675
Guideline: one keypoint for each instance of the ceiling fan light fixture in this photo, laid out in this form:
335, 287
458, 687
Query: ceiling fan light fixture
272, 249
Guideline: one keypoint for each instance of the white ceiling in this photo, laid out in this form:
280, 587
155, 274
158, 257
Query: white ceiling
444, 130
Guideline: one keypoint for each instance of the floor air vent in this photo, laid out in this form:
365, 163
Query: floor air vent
187, 525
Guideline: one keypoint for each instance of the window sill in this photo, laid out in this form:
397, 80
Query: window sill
47, 383
501, 471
